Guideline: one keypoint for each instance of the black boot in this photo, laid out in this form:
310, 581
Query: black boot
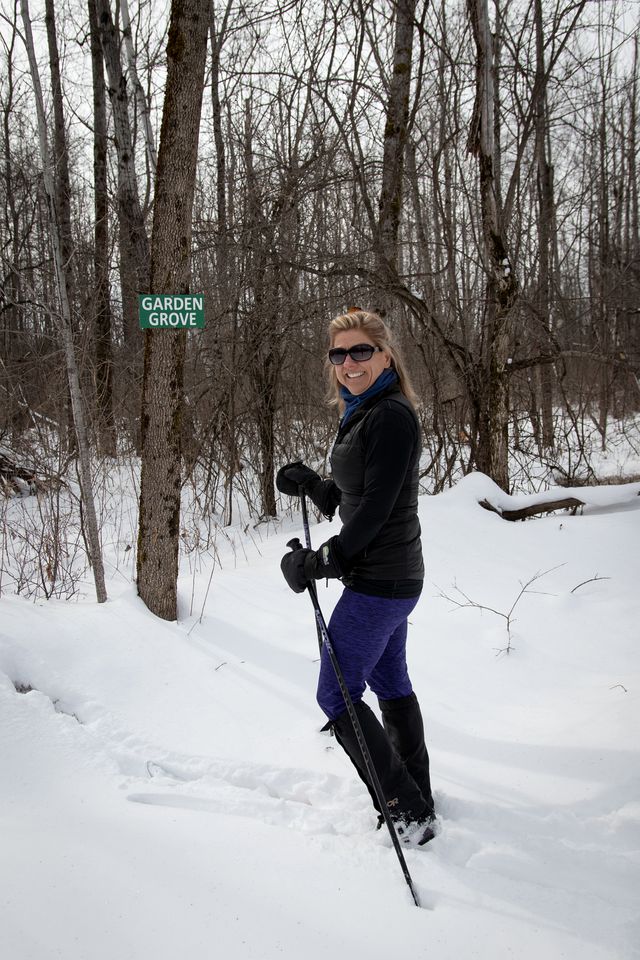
403, 722
402, 794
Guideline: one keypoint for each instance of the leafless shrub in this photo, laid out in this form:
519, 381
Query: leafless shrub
508, 617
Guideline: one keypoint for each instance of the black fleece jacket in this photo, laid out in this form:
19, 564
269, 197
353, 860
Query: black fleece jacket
374, 463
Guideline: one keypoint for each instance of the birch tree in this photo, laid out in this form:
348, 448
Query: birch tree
141, 100
134, 241
395, 136
501, 285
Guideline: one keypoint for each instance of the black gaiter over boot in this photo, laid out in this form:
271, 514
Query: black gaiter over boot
403, 722
403, 796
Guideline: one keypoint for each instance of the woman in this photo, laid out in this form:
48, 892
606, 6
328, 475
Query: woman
378, 557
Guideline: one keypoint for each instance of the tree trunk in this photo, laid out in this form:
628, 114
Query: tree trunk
501, 289
546, 218
227, 300
64, 324
135, 262
634, 233
62, 186
102, 304
217, 40
260, 331
141, 100
395, 138
129, 206
13, 417
158, 535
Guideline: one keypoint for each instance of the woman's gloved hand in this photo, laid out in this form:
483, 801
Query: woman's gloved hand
296, 478
292, 476
293, 568
299, 566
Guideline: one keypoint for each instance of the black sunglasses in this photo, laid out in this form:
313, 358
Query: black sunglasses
358, 353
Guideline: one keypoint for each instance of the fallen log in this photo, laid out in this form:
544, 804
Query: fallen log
16, 480
535, 509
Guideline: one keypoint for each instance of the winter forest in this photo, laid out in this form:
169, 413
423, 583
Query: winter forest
468, 170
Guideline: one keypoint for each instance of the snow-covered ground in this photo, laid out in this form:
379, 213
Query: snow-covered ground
166, 791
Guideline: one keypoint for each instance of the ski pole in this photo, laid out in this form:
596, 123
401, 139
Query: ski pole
307, 540
366, 754
305, 518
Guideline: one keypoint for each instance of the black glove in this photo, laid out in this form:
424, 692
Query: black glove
292, 476
324, 493
325, 563
292, 566
300, 566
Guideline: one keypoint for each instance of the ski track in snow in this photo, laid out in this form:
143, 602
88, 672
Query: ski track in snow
305, 800
502, 850
498, 849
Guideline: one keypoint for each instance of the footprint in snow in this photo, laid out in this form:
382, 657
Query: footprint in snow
294, 798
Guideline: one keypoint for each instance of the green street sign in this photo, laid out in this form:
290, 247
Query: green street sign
171, 311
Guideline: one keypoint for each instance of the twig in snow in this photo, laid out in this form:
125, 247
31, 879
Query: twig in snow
590, 580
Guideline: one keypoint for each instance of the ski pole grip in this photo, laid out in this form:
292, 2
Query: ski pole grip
294, 544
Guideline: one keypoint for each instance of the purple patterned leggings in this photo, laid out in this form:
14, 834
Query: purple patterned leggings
369, 637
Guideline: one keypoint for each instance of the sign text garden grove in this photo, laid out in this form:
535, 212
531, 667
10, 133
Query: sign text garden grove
171, 311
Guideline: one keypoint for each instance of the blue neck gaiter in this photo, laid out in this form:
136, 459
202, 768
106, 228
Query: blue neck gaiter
386, 379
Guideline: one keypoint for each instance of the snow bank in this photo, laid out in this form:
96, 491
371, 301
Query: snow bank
166, 789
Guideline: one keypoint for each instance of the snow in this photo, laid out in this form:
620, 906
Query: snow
167, 792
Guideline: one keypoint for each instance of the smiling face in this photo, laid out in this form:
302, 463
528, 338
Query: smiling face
358, 377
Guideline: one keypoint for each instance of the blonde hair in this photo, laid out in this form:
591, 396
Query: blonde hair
381, 336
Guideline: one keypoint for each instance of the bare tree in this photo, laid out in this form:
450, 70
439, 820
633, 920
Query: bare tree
395, 136
546, 230
62, 184
12, 316
141, 100
349, 180
159, 528
135, 263
64, 320
501, 288
101, 299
